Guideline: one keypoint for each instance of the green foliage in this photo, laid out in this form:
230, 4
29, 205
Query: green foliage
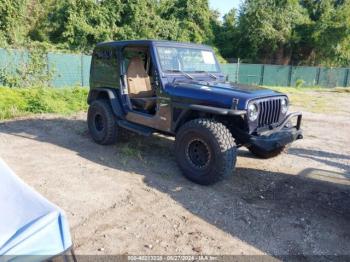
307, 32
328, 32
10, 19
310, 32
299, 83
227, 35
16, 102
28, 71
141, 20
193, 19
79, 24
267, 29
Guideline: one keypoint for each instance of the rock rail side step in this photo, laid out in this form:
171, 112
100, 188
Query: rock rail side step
141, 130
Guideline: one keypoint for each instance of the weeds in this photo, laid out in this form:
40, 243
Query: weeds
31, 70
15, 102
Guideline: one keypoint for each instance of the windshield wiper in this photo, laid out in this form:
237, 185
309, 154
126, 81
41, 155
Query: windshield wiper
209, 74
182, 72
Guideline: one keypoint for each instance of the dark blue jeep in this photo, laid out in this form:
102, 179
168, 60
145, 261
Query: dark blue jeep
179, 90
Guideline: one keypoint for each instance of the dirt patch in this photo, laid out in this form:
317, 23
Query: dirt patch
131, 198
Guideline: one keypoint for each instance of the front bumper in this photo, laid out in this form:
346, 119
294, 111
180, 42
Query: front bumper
279, 136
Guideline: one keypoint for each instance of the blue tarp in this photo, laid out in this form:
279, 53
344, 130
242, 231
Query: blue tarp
29, 224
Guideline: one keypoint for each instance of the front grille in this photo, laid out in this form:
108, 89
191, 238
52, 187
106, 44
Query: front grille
269, 112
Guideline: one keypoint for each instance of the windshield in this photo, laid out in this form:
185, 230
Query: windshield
181, 59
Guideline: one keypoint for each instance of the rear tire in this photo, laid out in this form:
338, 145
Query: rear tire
102, 123
205, 151
265, 155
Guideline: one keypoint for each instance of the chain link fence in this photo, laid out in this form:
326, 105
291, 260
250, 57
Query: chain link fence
74, 69
282, 75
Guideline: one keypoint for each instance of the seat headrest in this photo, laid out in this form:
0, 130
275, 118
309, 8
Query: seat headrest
136, 63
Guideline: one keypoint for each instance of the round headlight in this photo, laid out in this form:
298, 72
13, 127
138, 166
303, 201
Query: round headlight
284, 105
253, 112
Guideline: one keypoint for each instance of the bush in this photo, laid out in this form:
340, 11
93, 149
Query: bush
299, 83
32, 71
16, 102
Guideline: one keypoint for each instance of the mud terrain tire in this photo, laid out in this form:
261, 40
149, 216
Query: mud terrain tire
205, 151
102, 123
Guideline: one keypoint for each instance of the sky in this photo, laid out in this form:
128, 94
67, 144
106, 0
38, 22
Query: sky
224, 5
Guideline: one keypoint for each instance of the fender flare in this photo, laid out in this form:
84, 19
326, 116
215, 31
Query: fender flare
113, 97
210, 109
188, 109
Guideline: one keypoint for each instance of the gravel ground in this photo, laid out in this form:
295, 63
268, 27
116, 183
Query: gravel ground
131, 198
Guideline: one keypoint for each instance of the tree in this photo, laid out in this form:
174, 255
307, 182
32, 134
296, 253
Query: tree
11, 15
227, 35
267, 29
80, 24
193, 17
310, 32
325, 40
140, 19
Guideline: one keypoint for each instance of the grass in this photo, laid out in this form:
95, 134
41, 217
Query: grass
16, 102
314, 99
300, 90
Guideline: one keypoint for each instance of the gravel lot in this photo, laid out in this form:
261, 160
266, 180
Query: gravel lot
131, 198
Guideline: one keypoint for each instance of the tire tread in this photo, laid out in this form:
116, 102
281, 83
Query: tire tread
226, 143
111, 136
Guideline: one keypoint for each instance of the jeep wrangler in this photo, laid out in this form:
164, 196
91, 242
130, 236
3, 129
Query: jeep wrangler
178, 89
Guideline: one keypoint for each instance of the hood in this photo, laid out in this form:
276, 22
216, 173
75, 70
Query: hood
218, 94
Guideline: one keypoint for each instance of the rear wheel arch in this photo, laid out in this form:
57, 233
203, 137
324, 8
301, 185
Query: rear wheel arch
109, 95
96, 94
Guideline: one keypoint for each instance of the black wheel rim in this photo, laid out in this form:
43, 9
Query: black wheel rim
99, 122
198, 153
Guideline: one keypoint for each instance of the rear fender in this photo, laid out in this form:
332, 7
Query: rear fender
111, 95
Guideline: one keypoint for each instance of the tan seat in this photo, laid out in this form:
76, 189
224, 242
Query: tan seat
139, 84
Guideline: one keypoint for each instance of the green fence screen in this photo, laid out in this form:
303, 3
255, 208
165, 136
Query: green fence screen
306, 74
13, 59
86, 61
334, 77
74, 69
231, 71
276, 75
250, 74
67, 69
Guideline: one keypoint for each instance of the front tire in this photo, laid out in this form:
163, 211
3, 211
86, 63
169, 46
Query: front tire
102, 123
205, 151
